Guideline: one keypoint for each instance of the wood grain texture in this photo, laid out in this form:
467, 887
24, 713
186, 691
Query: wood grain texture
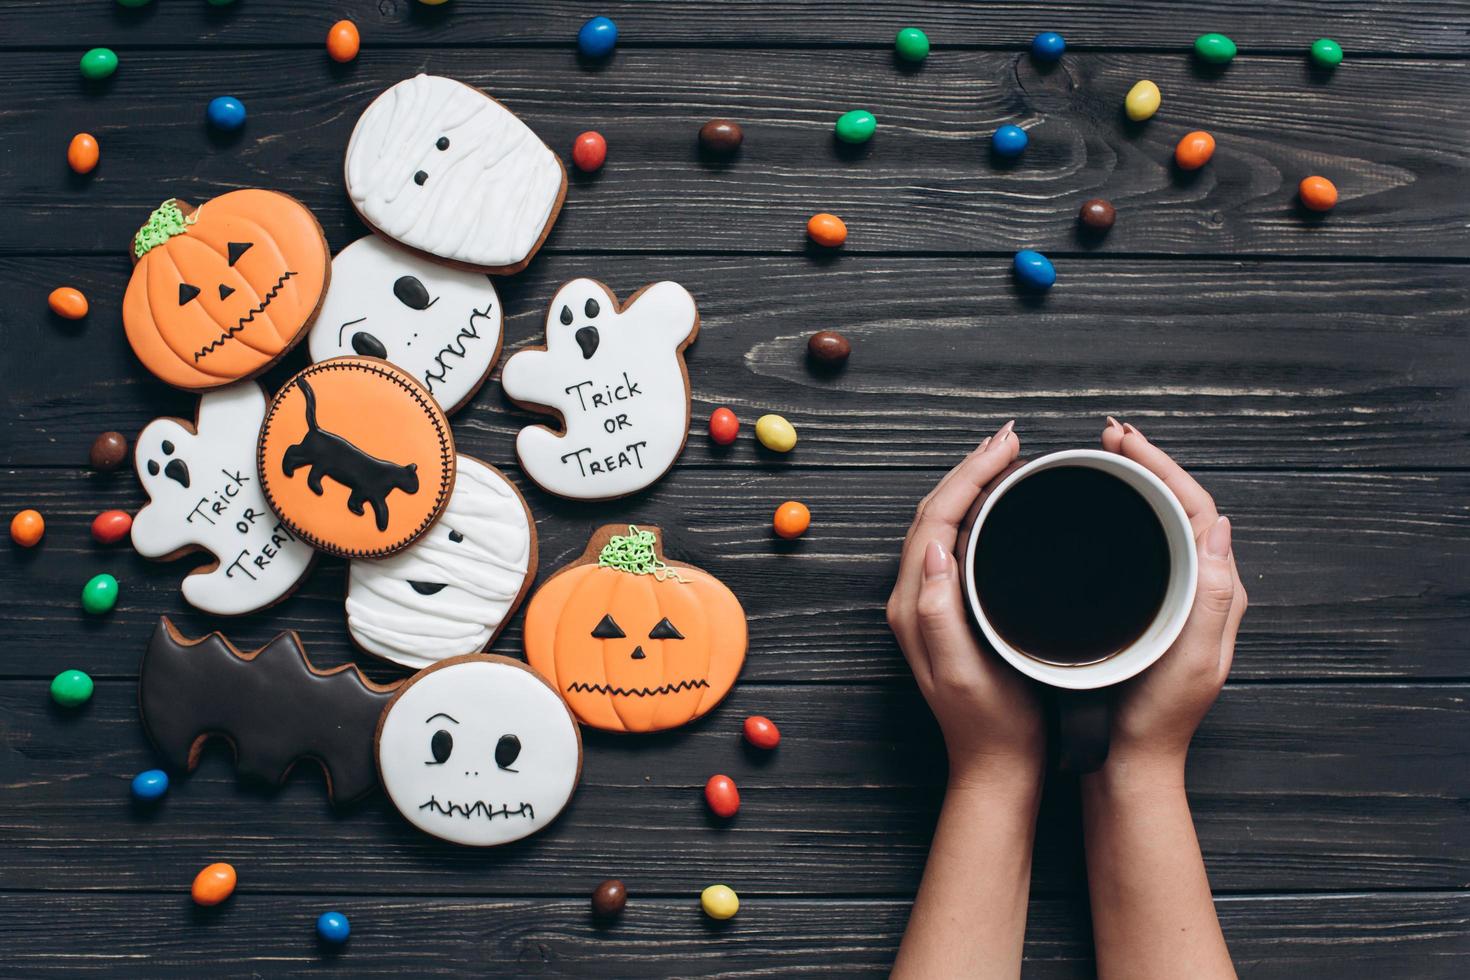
924, 184
1278, 364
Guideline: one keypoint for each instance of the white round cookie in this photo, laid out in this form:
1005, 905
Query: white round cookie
479, 751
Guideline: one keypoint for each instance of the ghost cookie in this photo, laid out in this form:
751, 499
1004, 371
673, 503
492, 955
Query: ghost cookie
478, 750
204, 493
439, 323
616, 377
453, 590
445, 169
221, 292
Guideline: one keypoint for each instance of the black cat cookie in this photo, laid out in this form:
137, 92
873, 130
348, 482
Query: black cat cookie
356, 457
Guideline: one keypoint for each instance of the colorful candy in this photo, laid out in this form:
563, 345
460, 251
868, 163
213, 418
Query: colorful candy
828, 347
1142, 100
1217, 49
1048, 46
1318, 193
98, 63
826, 230
1326, 53
71, 688
609, 899
1194, 150
1009, 141
213, 885
719, 902
723, 426
1034, 270
99, 595
762, 732
226, 113
597, 37
589, 152
911, 44
150, 785
343, 41
108, 451
722, 796
82, 153
68, 303
721, 136
1097, 214
775, 433
857, 126
333, 928
791, 519
111, 526
27, 528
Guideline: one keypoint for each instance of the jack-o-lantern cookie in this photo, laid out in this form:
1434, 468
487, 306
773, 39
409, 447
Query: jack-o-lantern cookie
222, 291
445, 169
478, 750
634, 642
356, 457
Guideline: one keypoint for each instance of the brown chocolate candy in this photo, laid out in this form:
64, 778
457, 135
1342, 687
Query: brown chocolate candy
828, 347
609, 898
721, 136
108, 451
1098, 214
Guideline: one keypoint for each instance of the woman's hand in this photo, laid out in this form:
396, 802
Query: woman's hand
989, 713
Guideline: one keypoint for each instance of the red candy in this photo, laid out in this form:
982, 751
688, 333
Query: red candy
589, 152
761, 732
111, 526
722, 796
723, 426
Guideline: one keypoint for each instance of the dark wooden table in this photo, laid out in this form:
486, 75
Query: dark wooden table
1312, 372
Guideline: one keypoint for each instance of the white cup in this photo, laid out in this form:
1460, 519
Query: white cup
1178, 596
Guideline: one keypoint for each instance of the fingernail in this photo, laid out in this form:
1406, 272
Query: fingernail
1005, 430
984, 444
1114, 423
936, 561
1129, 428
1217, 540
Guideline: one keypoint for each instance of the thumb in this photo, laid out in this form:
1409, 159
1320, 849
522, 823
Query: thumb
1212, 597
942, 622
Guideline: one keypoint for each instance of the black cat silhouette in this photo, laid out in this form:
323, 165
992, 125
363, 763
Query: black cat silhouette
370, 479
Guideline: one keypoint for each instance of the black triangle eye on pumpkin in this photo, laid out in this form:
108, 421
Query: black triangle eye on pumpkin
237, 249
665, 630
607, 629
187, 292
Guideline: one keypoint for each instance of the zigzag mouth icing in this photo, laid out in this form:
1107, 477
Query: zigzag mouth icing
636, 692
478, 809
229, 334
455, 348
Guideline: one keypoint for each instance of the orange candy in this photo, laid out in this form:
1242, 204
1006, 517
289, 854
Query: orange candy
343, 41
67, 303
1318, 193
27, 527
1194, 150
82, 153
826, 229
213, 885
792, 519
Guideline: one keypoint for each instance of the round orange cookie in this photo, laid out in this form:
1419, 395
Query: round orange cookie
220, 292
635, 643
356, 457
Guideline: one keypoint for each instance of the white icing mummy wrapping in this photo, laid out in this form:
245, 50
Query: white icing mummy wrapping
445, 169
449, 592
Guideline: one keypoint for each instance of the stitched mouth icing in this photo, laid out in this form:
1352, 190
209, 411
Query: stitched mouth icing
636, 692
455, 348
215, 345
478, 809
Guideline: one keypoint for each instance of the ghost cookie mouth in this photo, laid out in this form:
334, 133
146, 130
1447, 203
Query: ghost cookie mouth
244, 321
478, 809
457, 347
636, 692
427, 588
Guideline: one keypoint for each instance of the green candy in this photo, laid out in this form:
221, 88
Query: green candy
1217, 49
99, 63
1326, 52
911, 44
99, 594
857, 126
71, 688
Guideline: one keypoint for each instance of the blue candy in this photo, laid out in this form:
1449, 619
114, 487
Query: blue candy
1034, 270
1009, 141
1048, 46
597, 37
226, 113
150, 785
333, 928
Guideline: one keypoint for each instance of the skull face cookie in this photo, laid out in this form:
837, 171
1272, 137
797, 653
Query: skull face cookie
616, 377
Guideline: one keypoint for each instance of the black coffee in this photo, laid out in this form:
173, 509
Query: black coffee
1071, 566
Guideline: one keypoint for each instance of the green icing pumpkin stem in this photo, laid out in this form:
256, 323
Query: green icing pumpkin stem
165, 222
634, 553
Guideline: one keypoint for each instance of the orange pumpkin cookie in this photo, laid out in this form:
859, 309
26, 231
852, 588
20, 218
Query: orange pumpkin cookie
222, 291
356, 457
635, 643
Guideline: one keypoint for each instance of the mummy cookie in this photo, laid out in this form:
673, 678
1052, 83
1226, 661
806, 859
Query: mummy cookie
439, 323
204, 493
616, 377
478, 750
445, 169
221, 292
451, 591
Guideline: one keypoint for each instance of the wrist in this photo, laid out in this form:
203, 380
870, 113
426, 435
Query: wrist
995, 779
1127, 776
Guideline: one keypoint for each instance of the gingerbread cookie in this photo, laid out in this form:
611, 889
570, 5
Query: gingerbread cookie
478, 750
221, 292
204, 493
272, 706
453, 590
439, 323
445, 169
634, 642
356, 457
616, 377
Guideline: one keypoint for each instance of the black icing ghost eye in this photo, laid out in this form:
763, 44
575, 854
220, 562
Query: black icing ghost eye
442, 142
566, 316
507, 750
237, 249
607, 629
412, 293
441, 745
420, 177
153, 467
187, 292
592, 309
168, 448
665, 630
456, 537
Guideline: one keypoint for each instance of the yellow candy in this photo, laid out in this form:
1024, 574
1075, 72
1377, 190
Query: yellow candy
719, 901
1142, 101
775, 433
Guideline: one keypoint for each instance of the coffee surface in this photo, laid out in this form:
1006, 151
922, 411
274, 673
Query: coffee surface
1071, 566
